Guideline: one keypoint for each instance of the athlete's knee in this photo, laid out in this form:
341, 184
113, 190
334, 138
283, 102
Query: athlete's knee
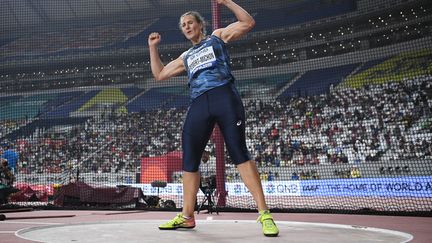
190, 167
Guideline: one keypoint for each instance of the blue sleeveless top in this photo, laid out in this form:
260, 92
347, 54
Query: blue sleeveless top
207, 65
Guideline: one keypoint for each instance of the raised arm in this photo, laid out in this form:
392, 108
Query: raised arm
236, 30
159, 70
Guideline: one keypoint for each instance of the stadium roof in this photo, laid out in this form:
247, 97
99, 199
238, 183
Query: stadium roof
19, 17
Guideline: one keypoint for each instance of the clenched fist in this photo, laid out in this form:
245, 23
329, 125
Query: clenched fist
154, 39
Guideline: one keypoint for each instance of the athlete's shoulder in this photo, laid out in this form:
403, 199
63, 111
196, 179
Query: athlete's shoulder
217, 32
185, 53
182, 56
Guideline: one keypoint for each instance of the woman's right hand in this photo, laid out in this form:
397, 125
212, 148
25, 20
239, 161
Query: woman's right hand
154, 39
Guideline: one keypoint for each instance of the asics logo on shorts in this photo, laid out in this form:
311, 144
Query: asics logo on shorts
239, 122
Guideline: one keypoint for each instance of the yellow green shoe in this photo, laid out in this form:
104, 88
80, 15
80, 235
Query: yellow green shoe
269, 227
178, 222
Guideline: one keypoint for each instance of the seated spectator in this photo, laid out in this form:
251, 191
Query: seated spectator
355, 172
6, 181
11, 156
6, 176
270, 176
303, 175
315, 175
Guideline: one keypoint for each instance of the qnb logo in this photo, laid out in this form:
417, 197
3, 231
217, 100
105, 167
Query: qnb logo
239, 122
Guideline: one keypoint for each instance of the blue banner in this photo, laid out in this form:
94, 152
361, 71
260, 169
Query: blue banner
387, 187
420, 186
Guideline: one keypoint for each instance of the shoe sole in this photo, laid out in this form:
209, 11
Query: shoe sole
176, 228
271, 235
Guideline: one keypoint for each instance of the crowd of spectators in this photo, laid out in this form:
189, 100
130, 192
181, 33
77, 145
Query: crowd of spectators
305, 175
112, 143
389, 121
384, 122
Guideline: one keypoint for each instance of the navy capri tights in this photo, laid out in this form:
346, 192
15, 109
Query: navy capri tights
223, 106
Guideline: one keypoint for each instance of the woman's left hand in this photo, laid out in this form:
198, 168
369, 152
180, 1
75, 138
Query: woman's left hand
223, 1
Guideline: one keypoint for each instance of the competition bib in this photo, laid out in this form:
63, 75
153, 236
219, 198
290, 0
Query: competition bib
204, 58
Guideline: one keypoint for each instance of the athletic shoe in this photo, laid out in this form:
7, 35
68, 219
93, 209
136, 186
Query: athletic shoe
178, 222
269, 227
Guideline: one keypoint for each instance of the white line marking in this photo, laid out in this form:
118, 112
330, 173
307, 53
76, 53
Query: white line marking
23, 222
